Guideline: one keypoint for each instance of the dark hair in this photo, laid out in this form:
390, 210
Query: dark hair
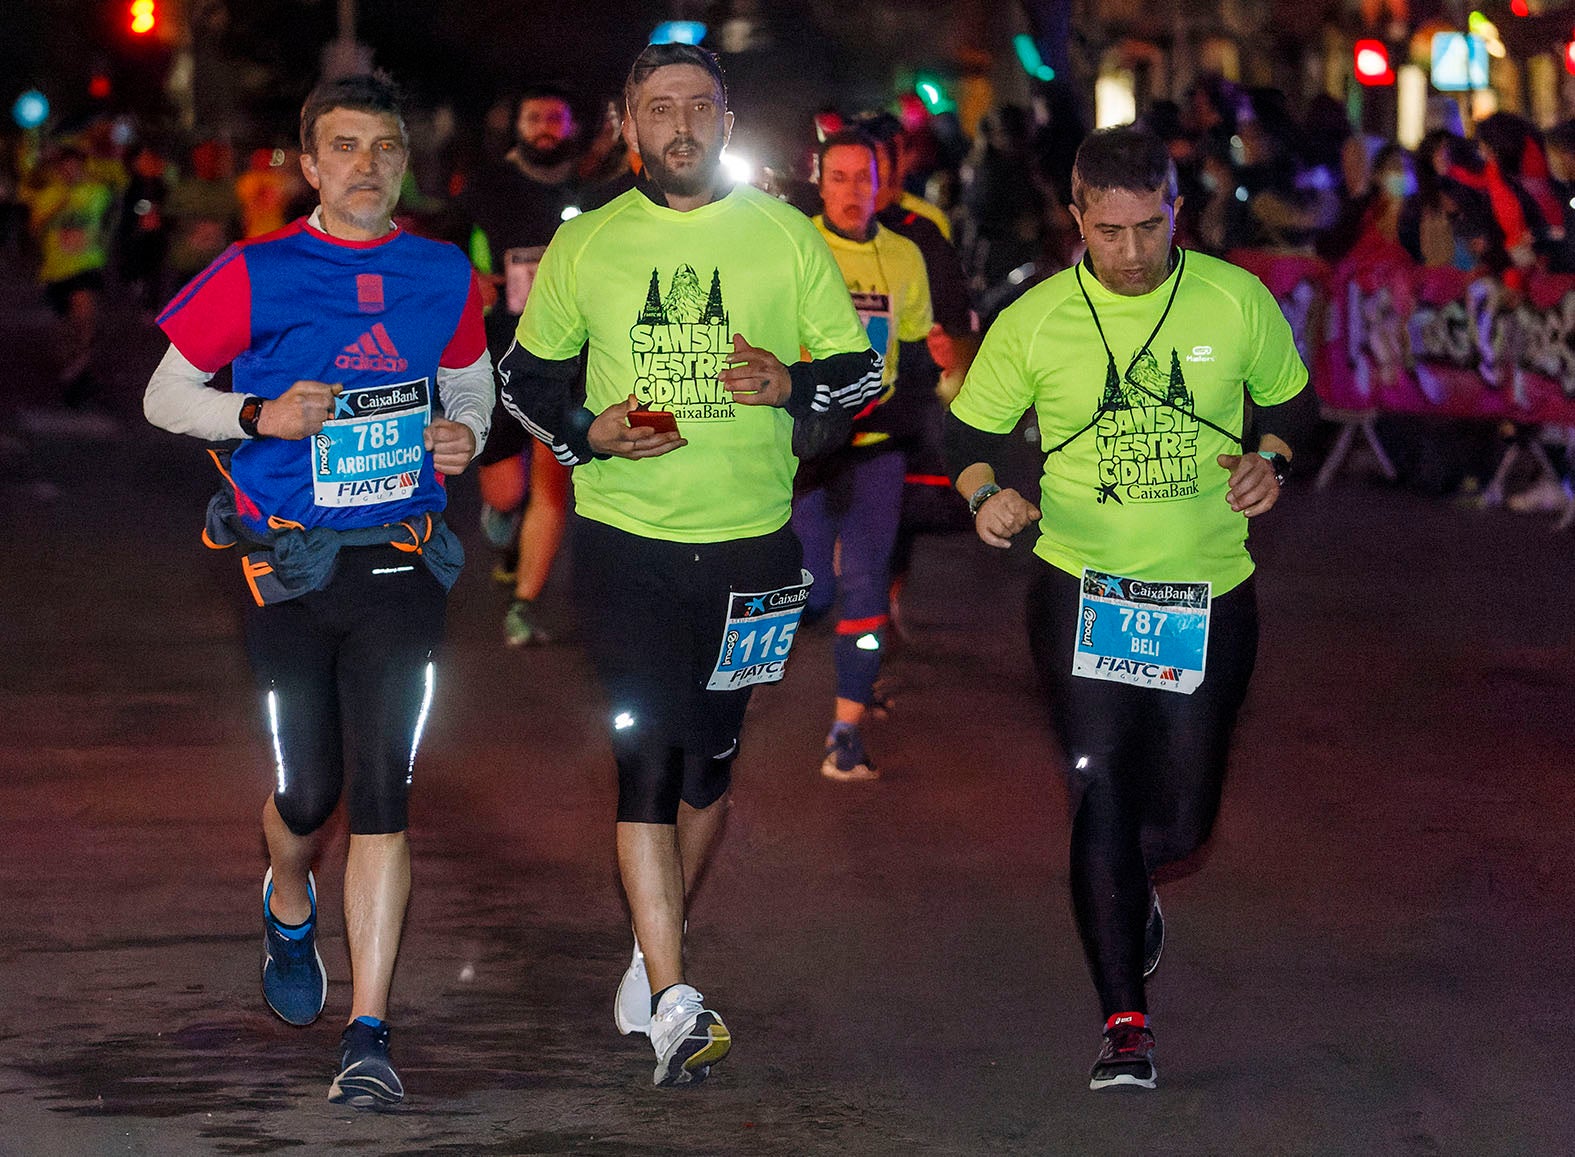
1125, 157
655, 56
882, 128
851, 138
544, 92
1507, 135
373, 92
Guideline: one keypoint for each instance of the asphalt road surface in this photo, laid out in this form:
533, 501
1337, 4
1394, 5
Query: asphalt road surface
1375, 957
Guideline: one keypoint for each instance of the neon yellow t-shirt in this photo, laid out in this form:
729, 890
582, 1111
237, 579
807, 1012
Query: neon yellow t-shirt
75, 237
890, 288
1140, 493
658, 295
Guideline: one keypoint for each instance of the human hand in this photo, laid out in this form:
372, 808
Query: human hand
610, 433
756, 377
1002, 516
1253, 488
452, 444
299, 412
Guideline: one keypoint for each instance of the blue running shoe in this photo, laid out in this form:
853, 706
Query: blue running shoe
294, 982
366, 1079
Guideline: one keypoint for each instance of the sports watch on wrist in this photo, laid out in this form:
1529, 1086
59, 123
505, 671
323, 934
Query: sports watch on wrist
251, 410
980, 496
1280, 463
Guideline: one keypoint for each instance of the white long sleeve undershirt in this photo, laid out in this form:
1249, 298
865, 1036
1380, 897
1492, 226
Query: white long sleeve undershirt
179, 399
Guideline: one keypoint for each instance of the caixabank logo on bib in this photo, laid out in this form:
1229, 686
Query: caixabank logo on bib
1146, 434
679, 343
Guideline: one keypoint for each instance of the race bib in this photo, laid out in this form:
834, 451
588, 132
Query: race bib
372, 449
875, 312
1147, 634
758, 635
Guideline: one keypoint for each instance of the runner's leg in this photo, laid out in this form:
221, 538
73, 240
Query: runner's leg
394, 611
1100, 727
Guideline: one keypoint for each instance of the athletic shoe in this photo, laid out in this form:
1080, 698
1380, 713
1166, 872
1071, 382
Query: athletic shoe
688, 1037
1127, 1058
500, 529
294, 982
632, 1007
1153, 935
366, 1079
521, 627
846, 759
1545, 497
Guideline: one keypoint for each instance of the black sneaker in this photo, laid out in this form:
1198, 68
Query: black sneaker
1153, 935
1127, 1058
366, 1079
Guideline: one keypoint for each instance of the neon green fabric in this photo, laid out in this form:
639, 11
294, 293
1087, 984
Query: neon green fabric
658, 295
1140, 494
74, 232
891, 290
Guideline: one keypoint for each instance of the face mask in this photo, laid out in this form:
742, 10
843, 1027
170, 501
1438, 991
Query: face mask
1464, 258
1395, 184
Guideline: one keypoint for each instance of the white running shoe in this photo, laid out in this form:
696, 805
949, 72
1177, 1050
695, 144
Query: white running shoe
632, 1007
688, 1037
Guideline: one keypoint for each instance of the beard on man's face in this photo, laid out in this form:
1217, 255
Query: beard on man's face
549, 152
690, 182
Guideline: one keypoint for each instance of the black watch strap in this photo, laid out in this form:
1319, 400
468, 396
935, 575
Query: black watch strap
981, 496
1280, 463
251, 410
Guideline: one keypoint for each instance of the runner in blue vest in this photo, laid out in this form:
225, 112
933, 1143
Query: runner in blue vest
361, 375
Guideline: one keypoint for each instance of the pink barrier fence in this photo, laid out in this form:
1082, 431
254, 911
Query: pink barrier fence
1381, 333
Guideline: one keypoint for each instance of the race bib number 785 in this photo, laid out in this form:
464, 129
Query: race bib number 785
371, 450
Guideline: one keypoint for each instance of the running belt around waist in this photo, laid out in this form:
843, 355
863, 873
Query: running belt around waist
293, 560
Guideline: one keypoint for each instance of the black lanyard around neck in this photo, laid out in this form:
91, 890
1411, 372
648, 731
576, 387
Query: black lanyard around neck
1113, 379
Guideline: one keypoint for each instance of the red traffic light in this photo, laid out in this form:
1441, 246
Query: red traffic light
1569, 57
1372, 62
1520, 7
144, 16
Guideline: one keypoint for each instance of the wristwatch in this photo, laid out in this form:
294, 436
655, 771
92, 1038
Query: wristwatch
1280, 463
251, 410
980, 496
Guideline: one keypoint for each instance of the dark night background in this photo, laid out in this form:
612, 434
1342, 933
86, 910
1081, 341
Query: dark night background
255, 59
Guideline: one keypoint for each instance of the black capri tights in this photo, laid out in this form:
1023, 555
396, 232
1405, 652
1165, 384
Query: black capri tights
349, 668
653, 613
1145, 769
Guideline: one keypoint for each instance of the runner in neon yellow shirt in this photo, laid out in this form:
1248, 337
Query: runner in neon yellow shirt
693, 298
1143, 624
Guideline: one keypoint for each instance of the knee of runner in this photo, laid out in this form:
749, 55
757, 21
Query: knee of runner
382, 813
304, 809
650, 783
867, 634
707, 778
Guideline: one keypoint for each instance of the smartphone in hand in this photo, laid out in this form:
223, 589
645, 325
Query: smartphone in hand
662, 421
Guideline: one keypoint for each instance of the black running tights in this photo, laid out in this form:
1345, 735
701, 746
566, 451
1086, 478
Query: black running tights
1145, 769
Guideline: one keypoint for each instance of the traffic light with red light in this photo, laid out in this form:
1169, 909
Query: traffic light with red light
1372, 63
1569, 56
144, 16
